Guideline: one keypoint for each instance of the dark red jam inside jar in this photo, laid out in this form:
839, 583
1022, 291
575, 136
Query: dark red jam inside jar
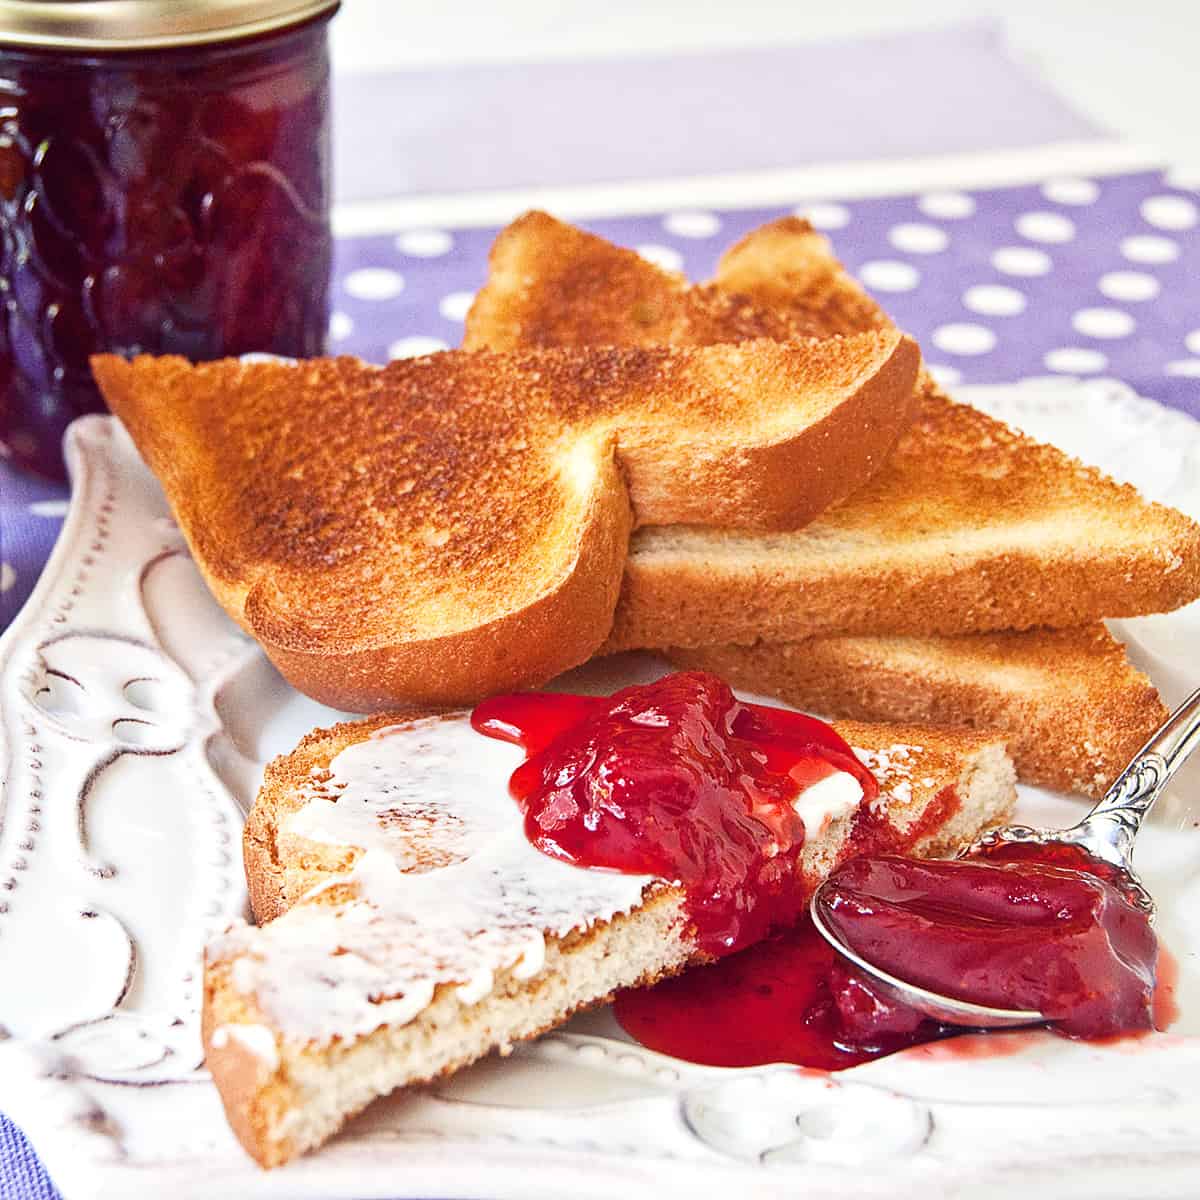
680, 780
172, 199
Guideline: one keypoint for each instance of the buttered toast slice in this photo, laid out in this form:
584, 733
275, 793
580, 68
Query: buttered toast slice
444, 528
968, 527
1072, 707
416, 928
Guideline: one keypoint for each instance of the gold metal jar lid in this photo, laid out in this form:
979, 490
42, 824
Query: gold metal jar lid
146, 24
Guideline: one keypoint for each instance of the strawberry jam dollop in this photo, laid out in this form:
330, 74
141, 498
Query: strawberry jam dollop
680, 780
1055, 935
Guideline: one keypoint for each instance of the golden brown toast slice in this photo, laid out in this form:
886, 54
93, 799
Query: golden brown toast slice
968, 527
788, 268
444, 528
552, 284
1073, 708
420, 929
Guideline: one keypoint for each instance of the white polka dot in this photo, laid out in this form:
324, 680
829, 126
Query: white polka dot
374, 283
1129, 285
1026, 261
49, 508
1187, 367
1045, 227
887, 275
424, 243
1192, 341
964, 339
1071, 191
825, 216
414, 347
946, 376
947, 206
1075, 360
918, 239
1187, 179
994, 300
1170, 212
454, 306
662, 256
340, 327
1103, 322
692, 224
1149, 248
7, 576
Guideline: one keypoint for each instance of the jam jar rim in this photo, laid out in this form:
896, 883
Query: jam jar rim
105, 25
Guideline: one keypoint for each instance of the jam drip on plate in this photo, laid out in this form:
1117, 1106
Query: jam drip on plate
771, 1003
680, 780
1057, 936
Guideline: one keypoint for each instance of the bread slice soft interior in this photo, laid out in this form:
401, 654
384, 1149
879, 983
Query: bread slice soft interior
444, 528
289, 1033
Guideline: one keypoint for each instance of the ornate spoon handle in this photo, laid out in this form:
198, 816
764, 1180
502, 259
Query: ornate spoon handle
1109, 830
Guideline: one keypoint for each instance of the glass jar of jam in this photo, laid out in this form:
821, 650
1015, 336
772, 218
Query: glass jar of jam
164, 189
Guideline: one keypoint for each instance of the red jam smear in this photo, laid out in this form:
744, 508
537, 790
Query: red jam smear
165, 202
771, 1003
1089, 961
680, 780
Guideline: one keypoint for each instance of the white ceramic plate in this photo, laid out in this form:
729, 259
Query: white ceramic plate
135, 720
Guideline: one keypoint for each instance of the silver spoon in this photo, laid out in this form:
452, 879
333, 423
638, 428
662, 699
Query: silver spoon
1107, 833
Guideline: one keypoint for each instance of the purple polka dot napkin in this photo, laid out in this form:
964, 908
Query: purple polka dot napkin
1072, 276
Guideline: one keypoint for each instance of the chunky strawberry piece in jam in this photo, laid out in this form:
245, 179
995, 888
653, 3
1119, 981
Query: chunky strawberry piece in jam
680, 780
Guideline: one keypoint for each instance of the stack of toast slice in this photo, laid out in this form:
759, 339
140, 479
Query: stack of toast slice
962, 584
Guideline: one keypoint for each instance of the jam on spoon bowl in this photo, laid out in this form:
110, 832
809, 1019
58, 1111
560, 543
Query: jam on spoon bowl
1106, 836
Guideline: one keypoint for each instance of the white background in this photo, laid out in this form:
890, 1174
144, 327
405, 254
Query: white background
1131, 65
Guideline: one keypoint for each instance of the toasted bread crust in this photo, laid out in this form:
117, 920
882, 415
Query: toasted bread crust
832, 455
518, 649
1073, 708
551, 284
789, 269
